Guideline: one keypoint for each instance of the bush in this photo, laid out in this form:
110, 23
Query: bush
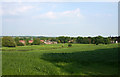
106, 41
97, 43
8, 42
69, 45
63, 45
36, 41
58, 41
19, 44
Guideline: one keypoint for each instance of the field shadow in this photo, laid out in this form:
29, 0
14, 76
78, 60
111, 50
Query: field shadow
100, 61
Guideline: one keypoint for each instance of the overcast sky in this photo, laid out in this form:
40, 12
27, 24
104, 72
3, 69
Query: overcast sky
60, 18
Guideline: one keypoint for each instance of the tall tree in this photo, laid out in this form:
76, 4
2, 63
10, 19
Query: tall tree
8, 41
36, 41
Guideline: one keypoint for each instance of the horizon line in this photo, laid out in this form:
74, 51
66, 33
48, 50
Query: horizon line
59, 35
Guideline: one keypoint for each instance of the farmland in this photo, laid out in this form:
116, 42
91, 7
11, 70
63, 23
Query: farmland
80, 59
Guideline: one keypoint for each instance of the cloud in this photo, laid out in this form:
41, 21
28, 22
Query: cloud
73, 13
16, 10
54, 15
21, 10
50, 15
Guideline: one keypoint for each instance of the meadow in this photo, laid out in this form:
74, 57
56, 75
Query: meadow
80, 59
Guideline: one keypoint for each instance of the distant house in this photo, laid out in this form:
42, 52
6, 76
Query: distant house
42, 40
50, 42
112, 41
22, 41
54, 42
116, 41
30, 41
70, 41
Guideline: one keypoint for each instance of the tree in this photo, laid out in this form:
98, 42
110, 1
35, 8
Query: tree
99, 40
21, 38
89, 39
79, 39
63, 39
8, 41
17, 42
27, 41
106, 41
58, 41
16, 39
73, 40
93, 40
85, 40
53, 39
36, 41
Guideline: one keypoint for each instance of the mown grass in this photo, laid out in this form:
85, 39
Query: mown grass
80, 59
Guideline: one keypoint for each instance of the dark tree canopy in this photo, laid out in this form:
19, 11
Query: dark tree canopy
36, 41
106, 41
99, 40
8, 41
63, 39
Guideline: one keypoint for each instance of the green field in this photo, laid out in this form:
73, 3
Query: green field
80, 59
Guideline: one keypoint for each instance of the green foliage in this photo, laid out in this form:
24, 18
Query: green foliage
106, 41
21, 38
80, 59
63, 39
0, 42
82, 40
99, 40
27, 41
58, 41
17, 41
19, 44
79, 39
72, 40
85, 41
53, 39
69, 44
36, 41
8, 41
93, 40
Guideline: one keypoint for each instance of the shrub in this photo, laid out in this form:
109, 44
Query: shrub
58, 41
106, 41
97, 43
69, 45
19, 44
8, 42
63, 45
36, 41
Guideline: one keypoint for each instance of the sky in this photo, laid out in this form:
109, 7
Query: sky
59, 0
59, 19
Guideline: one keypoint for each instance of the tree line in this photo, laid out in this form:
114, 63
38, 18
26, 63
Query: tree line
8, 41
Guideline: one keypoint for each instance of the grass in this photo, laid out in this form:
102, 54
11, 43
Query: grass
80, 59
